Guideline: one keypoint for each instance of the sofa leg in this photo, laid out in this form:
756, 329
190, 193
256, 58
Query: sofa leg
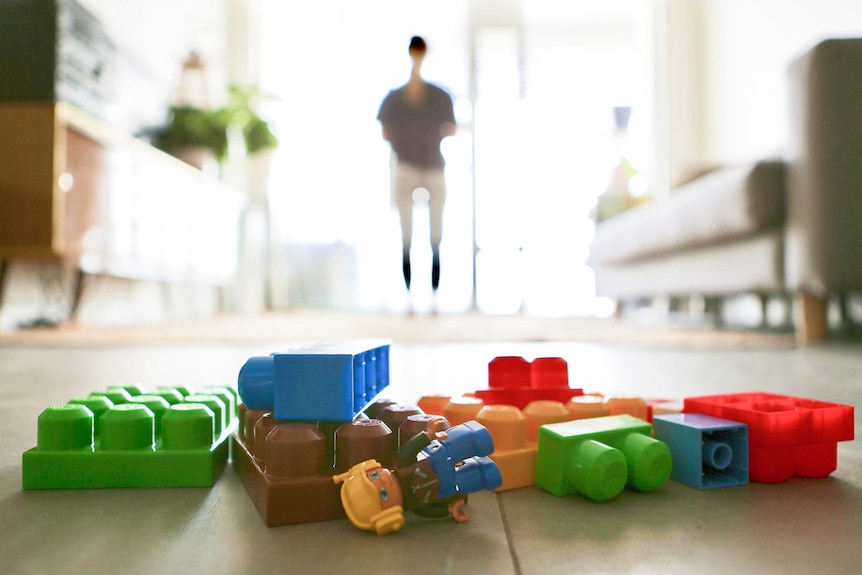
811, 320
764, 310
714, 306
619, 311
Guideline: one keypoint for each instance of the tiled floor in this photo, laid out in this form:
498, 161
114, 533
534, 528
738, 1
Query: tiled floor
801, 526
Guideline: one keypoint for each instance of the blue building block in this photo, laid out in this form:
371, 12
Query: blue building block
322, 382
707, 452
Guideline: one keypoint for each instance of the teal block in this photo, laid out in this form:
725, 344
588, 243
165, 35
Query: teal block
708, 452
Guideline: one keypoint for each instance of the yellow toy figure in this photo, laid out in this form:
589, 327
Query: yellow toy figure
436, 470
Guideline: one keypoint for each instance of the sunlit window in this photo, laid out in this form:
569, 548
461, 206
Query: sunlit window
536, 146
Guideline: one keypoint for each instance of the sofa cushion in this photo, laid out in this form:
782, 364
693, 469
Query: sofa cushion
720, 206
750, 264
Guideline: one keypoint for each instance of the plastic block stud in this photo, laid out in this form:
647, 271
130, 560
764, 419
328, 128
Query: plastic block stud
630, 404
707, 452
587, 406
787, 435
598, 457
323, 382
434, 404
134, 440
462, 409
515, 381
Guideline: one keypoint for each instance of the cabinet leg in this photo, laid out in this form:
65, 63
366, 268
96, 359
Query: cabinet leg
4, 272
811, 321
5, 265
77, 293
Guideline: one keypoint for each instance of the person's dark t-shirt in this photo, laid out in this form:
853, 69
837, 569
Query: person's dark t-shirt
414, 130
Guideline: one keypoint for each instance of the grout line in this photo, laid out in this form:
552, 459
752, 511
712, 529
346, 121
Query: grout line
516, 563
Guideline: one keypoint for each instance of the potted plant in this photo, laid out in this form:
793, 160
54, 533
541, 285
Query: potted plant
241, 112
240, 116
194, 134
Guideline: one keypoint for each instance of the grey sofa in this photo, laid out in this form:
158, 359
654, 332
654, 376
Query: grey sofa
790, 226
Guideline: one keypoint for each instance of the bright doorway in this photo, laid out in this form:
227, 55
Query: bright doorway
536, 144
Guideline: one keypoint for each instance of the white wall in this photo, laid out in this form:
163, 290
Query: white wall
678, 33
154, 38
747, 46
721, 74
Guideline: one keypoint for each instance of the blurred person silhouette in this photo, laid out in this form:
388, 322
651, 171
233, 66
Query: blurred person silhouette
415, 118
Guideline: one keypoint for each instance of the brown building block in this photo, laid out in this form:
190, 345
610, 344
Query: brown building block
287, 466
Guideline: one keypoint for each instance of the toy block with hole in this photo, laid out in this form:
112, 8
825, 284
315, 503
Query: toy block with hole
707, 452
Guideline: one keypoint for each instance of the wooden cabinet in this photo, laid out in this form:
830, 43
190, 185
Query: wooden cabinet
75, 190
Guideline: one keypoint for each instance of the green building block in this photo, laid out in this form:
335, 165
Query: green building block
598, 457
124, 437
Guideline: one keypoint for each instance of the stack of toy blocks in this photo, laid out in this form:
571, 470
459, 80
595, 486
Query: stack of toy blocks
123, 437
308, 414
548, 443
787, 436
719, 441
522, 397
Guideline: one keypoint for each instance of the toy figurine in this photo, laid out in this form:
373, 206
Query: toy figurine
436, 470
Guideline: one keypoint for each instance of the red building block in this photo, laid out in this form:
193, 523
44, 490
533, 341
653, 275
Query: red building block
787, 436
515, 381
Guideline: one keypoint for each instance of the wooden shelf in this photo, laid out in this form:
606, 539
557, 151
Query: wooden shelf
75, 190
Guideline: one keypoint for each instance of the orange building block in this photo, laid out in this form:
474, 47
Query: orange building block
587, 406
627, 404
434, 404
515, 435
462, 409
